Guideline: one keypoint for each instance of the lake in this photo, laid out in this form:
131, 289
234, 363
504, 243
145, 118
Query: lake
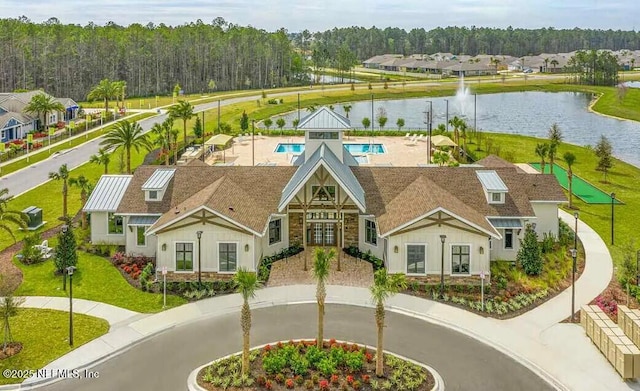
527, 113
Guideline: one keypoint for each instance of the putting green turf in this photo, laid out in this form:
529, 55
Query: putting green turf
581, 188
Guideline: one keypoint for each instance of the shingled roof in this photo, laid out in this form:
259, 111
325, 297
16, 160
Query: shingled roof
397, 196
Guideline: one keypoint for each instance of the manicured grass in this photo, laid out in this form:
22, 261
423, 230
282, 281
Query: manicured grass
96, 279
44, 335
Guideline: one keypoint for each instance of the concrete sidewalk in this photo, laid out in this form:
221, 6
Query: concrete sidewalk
560, 353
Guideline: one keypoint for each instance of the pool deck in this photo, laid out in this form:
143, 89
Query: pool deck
398, 153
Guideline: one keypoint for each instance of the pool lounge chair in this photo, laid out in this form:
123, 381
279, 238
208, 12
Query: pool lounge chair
413, 141
407, 136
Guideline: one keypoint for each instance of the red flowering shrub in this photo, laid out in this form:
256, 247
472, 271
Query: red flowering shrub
267, 348
366, 379
289, 384
268, 385
350, 379
608, 304
261, 381
335, 379
324, 385
368, 356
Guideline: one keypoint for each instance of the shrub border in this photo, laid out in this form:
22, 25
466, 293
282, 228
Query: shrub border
192, 380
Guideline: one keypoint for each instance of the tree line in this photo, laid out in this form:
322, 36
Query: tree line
69, 60
368, 42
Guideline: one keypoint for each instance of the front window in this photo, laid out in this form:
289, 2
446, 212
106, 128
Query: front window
275, 231
508, 239
184, 257
370, 235
116, 227
323, 135
324, 193
416, 259
460, 259
496, 197
141, 238
228, 253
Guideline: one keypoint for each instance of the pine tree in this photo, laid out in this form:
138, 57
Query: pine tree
66, 253
197, 128
529, 255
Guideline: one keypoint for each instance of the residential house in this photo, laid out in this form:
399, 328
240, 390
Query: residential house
413, 218
15, 122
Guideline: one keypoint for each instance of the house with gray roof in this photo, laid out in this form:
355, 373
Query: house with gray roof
221, 218
16, 122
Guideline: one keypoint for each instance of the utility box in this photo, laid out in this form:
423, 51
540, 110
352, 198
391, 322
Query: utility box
35, 218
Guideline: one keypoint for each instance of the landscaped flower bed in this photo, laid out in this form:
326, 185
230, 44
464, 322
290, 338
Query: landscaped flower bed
302, 366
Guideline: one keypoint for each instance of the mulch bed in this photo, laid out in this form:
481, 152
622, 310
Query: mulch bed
13, 348
342, 381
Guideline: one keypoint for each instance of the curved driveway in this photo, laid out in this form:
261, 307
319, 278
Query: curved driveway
163, 362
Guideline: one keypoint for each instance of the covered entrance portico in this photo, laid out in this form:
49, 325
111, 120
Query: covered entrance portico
323, 229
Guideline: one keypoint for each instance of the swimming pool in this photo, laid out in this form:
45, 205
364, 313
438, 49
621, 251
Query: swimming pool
354, 149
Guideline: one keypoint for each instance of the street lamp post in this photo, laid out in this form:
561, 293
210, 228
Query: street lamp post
447, 115
575, 231
429, 121
442, 239
574, 254
613, 200
253, 145
199, 234
70, 271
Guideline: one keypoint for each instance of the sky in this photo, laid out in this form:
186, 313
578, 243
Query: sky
320, 15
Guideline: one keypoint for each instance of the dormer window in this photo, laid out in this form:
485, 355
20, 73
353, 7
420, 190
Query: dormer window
323, 135
157, 184
494, 188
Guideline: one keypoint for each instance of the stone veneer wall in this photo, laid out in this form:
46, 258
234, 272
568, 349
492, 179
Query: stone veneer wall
450, 280
350, 229
295, 228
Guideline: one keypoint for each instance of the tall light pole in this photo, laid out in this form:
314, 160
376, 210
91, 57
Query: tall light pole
253, 145
70, 271
574, 254
428, 120
447, 115
475, 114
442, 239
199, 234
203, 127
575, 235
613, 200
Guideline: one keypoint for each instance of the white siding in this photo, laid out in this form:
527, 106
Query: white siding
99, 229
431, 237
264, 249
364, 246
149, 250
211, 236
546, 218
498, 252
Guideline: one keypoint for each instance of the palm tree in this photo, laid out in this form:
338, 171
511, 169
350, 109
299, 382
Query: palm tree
105, 90
174, 142
163, 140
384, 286
542, 150
103, 158
555, 135
247, 284
62, 175
43, 104
347, 109
10, 218
184, 111
8, 308
570, 159
127, 135
554, 63
85, 187
120, 87
457, 123
321, 267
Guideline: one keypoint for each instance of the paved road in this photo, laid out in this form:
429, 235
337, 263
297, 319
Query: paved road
163, 362
37, 174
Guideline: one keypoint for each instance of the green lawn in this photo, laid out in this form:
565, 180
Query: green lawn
96, 279
44, 335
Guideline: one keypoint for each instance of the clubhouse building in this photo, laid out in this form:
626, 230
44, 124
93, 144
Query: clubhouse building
221, 218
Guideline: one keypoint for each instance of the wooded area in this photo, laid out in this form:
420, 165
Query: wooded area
368, 42
69, 60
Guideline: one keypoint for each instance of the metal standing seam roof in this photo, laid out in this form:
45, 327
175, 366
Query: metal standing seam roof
323, 118
159, 179
142, 220
491, 181
108, 193
506, 223
341, 173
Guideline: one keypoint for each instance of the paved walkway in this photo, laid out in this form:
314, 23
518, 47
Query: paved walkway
560, 353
